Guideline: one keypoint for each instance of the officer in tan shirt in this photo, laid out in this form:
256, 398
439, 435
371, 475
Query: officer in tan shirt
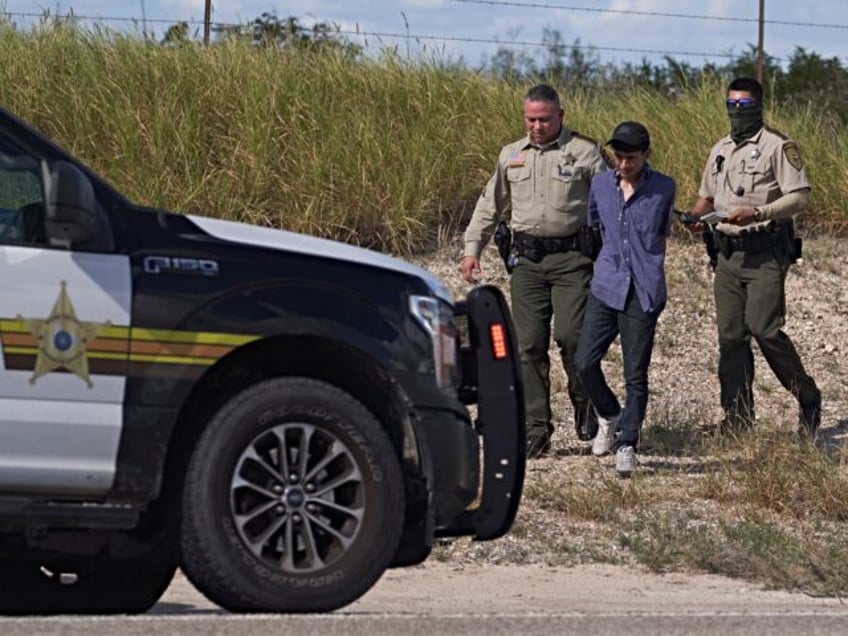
755, 176
542, 183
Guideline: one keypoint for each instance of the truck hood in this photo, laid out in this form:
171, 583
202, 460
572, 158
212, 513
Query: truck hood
304, 244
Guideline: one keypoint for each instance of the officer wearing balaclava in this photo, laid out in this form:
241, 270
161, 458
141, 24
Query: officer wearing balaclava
755, 183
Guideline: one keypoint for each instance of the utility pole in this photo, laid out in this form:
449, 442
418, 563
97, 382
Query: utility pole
760, 53
207, 18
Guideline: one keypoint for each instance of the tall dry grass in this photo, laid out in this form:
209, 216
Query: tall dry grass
388, 152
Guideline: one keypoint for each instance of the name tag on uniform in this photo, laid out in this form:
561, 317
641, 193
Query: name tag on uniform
515, 160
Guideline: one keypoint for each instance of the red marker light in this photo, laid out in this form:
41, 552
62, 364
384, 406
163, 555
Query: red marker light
498, 335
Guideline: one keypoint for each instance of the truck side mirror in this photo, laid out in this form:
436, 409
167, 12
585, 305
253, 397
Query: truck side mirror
71, 205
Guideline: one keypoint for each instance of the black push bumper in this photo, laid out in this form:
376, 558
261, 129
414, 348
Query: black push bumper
491, 378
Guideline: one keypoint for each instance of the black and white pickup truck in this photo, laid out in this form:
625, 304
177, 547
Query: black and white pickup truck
280, 416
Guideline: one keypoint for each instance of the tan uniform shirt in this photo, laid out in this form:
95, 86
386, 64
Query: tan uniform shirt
756, 172
544, 190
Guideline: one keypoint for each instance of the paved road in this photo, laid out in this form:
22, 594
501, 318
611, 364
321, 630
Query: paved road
440, 598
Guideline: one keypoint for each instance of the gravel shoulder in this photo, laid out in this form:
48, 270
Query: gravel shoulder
674, 469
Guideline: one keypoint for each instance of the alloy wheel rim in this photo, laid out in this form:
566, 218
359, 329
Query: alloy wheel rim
297, 497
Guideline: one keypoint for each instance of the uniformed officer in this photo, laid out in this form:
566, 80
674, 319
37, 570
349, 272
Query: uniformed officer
542, 182
755, 175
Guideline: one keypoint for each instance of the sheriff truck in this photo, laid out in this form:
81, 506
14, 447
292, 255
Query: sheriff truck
281, 417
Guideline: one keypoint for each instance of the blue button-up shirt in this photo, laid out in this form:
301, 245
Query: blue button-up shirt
634, 235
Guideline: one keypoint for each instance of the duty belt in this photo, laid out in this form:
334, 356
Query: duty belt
537, 247
772, 237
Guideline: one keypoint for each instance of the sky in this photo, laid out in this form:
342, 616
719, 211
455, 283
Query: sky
473, 30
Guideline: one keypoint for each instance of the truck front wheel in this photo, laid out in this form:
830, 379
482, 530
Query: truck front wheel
293, 500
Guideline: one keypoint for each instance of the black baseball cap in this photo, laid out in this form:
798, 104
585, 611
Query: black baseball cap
630, 136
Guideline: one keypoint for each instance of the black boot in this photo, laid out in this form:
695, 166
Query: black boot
539, 441
586, 423
809, 417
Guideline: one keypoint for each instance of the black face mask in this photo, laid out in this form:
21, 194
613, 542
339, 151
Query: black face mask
745, 122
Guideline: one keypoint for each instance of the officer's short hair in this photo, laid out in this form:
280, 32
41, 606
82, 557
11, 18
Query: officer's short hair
748, 85
542, 93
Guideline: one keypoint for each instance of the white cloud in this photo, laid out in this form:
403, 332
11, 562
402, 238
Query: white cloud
424, 4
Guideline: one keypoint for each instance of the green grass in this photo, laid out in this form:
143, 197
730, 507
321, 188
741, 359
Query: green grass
383, 152
752, 547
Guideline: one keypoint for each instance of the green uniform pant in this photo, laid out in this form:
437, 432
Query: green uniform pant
557, 288
751, 302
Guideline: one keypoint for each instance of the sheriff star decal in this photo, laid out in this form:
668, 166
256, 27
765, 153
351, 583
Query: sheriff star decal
62, 339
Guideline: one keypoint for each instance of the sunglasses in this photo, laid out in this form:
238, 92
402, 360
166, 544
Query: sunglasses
743, 102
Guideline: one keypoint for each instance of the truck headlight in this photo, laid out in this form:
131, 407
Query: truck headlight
438, 321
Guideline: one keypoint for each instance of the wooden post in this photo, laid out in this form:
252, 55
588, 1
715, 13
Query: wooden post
207, 18
760, 53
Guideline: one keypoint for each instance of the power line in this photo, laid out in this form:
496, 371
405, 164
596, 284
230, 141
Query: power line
539, 44
398, 36
99, 18
658, 14
508, 3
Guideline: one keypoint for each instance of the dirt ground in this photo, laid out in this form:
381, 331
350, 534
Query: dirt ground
443, 589
440, 587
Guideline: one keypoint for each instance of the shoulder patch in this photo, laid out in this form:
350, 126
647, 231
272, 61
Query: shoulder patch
777, 132
793, 155
578, 135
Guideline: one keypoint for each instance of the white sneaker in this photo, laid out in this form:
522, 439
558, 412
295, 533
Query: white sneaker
602, 444
625, 461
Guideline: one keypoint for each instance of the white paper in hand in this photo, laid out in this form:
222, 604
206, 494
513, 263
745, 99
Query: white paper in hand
713, 217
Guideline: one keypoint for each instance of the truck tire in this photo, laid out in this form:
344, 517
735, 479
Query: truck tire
293, 500
86, 585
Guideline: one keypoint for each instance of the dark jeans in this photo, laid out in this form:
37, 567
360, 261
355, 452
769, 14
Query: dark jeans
601, 325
